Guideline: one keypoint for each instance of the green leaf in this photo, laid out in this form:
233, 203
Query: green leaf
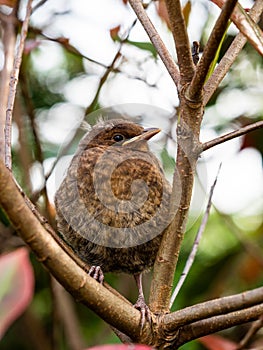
215, 60
246, 25
147, 46
4, 218
167, 160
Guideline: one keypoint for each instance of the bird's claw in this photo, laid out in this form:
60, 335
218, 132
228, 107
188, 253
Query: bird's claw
144, 310
96, 273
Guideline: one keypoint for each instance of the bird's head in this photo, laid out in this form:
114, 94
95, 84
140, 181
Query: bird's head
119, 133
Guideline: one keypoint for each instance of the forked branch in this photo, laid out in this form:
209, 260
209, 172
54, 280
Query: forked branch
195, 90
83, 287
230, 56
192, 321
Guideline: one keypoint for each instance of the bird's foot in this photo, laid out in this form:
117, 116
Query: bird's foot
96, 273
144, 310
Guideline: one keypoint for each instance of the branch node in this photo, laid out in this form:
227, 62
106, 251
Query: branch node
195, 103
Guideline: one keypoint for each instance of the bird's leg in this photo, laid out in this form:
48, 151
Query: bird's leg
96, 273
140, 303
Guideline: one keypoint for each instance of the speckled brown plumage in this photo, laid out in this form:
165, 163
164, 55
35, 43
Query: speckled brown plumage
112, 206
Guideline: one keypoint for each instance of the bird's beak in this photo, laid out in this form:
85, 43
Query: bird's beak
146, 135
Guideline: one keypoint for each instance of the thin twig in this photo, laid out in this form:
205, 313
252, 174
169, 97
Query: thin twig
37, 6
183, 179
9, 41
13, 85
255, 327
156, 40
198, 237
38, 153
102, 81
64, 42
67, 316
218, 323
91, 106
212, 308
231, 135
181, 39
34, 331
123, 337
252, 248
230, 56
195, 89
60, 40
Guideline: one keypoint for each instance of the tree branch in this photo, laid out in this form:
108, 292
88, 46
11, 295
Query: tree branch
38, 153
156, 40
9, 41
64, 42
218, 323
212, 308
195, 89
13, 85
84, 288
181, 39
233, 134
230, 56
66, 313
167, 257
37, 6
188, 128
255, 327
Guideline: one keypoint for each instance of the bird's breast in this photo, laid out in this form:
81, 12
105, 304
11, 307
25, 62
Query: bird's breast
120, 196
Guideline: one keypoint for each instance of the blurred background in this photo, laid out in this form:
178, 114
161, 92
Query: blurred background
87, 59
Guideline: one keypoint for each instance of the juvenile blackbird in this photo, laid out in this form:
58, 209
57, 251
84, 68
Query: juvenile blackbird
113, 203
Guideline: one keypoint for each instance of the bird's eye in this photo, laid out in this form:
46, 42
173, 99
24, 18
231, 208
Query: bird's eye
118, 138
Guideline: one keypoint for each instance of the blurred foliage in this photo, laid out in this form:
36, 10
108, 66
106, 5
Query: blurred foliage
223, 265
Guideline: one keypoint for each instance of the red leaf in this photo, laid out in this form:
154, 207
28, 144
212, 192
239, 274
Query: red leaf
121, 347
162, 12
30, 45
114, 32
186, 12
246, 25
10, 3
215, 342
16, 286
